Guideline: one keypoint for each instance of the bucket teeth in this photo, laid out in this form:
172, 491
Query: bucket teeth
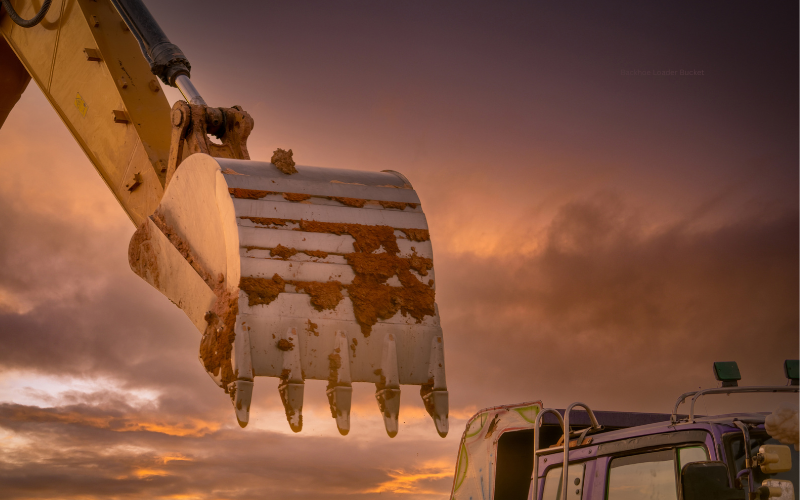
292, 384
241, 392
340, 390
434, 393
388, 388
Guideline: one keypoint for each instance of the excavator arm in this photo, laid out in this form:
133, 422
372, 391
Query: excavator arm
286, 271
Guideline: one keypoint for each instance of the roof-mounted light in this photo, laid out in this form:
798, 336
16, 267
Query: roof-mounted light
727, 372
791, 367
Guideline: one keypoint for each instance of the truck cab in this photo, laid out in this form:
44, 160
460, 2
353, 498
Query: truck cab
517, 452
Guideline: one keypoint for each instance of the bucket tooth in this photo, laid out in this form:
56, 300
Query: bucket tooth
292, 398
340, 390
339, 398
241, 392
434, 393
292, 384
437, 404
388, 387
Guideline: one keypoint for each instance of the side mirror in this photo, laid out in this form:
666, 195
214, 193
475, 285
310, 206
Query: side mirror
774, 458
708, 481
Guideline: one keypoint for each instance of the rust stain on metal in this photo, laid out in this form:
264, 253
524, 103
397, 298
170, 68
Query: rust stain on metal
248, 194
282, 252
353, 345
262, 290
284, 161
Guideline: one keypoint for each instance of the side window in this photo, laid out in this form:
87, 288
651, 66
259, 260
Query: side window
691, 454
552, 482
647, 476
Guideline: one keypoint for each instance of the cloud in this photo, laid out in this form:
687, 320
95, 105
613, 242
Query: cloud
82, 451
609, 306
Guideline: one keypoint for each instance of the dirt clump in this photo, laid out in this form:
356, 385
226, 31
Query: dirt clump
374, 300
296, 196
350, 202
282, 252
353, 345
315, 253
334, 363
368, 238
266, 221
284, 345
424, 390
420, 264
142, 255
312, 328
216, 344
284, 161
417, 234
324, 295
248, 194
262, 290
398, 205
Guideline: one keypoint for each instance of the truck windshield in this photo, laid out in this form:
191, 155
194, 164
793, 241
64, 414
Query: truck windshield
734, 448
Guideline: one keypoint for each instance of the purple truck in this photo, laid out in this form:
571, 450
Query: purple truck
516, 452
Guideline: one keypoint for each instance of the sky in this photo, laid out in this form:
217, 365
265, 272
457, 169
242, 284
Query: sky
599, 234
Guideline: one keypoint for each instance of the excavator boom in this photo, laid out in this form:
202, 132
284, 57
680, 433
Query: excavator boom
287, 271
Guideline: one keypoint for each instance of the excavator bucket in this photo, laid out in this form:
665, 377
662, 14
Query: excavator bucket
300, 273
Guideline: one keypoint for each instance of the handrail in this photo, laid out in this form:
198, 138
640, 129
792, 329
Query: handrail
565, 465
536, 424
732, 390
674, 417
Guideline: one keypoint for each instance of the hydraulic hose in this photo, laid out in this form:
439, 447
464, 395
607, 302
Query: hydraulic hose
26, 23
165, 58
